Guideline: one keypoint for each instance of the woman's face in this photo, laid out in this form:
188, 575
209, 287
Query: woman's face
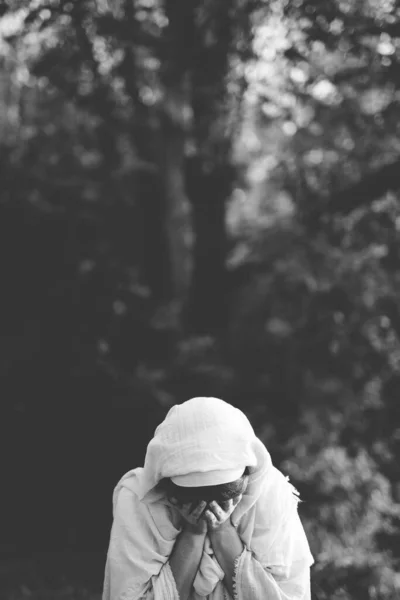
220, 493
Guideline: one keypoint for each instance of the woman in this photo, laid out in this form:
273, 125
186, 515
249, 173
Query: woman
208, 516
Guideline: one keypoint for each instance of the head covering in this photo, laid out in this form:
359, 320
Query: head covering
200, 479
203, 440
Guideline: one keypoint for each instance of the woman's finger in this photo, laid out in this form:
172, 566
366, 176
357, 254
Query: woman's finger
237, 500
199, 509
210, 517
217, 510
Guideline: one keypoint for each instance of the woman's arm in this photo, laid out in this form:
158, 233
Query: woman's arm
227, 546
245, 577
185, 558
253, 581
141, 563
137, 566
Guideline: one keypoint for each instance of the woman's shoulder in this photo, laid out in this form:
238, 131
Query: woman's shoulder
126, 489
278, 497
152, 514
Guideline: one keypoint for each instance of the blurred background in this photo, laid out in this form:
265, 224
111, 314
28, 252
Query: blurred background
198, 198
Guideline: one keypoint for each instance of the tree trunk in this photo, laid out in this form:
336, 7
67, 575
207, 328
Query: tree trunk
209, 173
177, 214
172, 141
360, 194
153, 247
208, 191
159, 135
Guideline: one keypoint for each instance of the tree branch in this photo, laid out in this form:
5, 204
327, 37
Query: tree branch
370, 188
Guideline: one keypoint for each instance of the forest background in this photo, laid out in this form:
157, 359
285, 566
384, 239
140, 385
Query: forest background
199, 198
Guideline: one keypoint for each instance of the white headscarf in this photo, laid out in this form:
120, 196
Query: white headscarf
201, 435
205, 435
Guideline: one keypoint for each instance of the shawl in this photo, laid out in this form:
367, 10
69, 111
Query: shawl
202, 434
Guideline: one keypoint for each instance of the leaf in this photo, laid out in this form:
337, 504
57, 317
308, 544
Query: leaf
32, 15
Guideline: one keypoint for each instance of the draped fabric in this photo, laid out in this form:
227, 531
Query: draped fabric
206, 434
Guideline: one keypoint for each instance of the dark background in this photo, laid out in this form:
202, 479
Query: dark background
198, 199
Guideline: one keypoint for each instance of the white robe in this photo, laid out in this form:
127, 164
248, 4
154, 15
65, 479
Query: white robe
207, 434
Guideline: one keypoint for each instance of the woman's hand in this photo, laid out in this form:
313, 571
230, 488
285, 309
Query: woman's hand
193, 515
218, 516
225, 540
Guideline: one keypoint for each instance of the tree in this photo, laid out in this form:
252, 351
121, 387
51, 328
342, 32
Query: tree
162, 51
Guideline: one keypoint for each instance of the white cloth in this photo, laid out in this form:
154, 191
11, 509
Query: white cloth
206, 434
201, 478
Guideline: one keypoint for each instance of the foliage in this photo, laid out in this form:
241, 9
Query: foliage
273, 178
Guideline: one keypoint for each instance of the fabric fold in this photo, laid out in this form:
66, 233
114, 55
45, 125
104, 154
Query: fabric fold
253, 582
164, 587
209, 574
